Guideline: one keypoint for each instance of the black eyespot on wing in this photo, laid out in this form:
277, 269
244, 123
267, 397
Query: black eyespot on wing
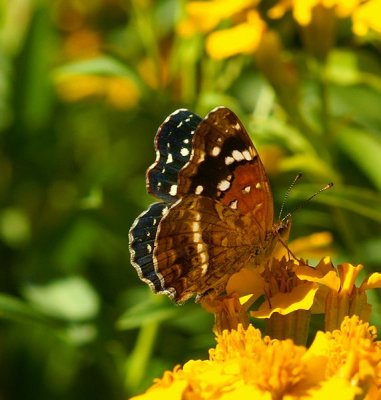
142, 241
173, 145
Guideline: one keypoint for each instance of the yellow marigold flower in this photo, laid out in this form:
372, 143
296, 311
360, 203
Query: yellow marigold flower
203, 16
351, 354
287, 299
338, 296
344, 363
367, 17
240, 39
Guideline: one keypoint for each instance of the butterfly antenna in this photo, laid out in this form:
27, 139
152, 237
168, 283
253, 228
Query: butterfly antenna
297, 177
303, 203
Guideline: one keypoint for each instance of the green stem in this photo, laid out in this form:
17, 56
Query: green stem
323, 88
146, 29
136, 365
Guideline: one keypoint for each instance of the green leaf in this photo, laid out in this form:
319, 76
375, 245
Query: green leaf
145, 312
356, 199
70, 298
365, 150
103, 65
17, 310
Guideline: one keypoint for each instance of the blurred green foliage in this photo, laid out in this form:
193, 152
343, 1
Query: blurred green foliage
83, 87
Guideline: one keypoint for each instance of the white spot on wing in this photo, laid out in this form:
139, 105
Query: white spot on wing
237, 155
196, 237
204, 257
229, 160
234, 204
223, 185
169, 159
186, 141
204, 269
216, 151
258, 186
247, 155
178, 111
195, 226
184, 151
199, 189
237, 126
179, 124
173, 190
149, 248
246, 189
164, 210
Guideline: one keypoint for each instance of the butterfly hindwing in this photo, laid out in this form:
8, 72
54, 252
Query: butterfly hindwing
142, 243
199, 244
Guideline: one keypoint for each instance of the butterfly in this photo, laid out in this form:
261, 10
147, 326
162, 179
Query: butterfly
216, 211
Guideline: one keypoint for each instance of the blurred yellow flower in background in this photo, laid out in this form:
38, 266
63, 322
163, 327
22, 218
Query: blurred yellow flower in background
367, 17
365, 14
242, 37
203, 16
302, 10
119, 92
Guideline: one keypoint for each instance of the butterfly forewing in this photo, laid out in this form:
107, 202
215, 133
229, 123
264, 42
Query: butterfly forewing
173, 145
225, 166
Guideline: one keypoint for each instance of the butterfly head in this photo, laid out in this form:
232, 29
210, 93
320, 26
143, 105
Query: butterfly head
277, 237
283, 227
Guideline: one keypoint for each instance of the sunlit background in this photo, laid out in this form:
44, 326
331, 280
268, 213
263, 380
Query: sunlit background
84, 85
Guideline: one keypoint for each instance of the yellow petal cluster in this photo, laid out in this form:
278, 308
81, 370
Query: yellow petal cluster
345, 363
338, 295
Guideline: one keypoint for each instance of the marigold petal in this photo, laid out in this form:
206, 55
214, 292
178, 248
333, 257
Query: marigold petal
372, 282
335, 388
325, 265
330, 279
315, 360
348, 274
173, 391
246, 281
246, 392
301, 298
